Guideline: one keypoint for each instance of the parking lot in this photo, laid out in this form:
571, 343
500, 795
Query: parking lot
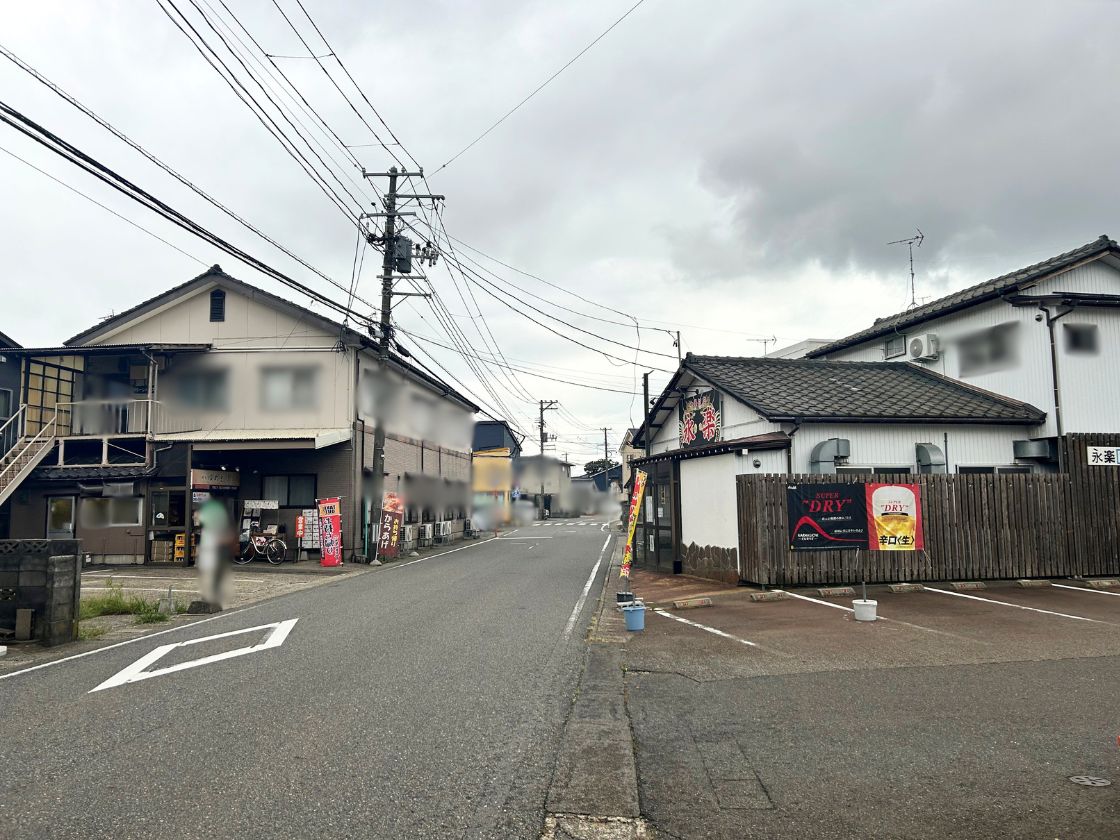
958, 714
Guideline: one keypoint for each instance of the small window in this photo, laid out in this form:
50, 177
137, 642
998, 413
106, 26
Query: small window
1008, 470
111, 512
204, 390
285, 389
991, 349
854, 470
1082, 339
217, 305
290, 491
168, 508
895, 347
5, 403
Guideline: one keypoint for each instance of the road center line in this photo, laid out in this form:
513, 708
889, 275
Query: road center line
700, 626
1085, 589
586, 588
433, 556
127, 642
1016, 606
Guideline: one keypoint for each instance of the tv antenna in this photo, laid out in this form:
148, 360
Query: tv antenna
910, 243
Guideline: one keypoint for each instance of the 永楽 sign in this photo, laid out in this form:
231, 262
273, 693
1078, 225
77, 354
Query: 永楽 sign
1108, 456
330, 532
876, 517
701, 419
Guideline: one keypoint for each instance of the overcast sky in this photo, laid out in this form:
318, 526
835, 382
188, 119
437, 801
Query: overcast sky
731, 169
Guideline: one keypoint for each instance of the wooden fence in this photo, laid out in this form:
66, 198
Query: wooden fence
975, 526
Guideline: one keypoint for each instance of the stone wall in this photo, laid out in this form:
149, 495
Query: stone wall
712, 562
44, 576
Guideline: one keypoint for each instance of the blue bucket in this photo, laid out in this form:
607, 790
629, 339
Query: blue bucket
635, 617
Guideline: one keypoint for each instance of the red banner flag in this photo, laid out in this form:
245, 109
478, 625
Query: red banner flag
330, 532
389, 532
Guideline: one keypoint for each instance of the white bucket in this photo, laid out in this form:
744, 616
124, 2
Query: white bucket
865, 610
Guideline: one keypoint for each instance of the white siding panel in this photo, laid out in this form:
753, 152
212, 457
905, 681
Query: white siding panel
708, 507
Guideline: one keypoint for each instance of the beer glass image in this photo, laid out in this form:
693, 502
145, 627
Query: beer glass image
894, 509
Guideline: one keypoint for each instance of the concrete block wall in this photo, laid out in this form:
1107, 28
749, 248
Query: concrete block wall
44, 576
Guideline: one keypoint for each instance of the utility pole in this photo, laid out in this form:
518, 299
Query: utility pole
546, 405
645, 411
396, 256
606, 453
678, 347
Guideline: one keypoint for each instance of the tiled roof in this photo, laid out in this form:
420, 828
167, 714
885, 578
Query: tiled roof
82, 473
987, 290
787, 389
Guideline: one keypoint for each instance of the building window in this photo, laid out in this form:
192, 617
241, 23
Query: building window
888, 471
285, 389
205, 390
895, 347
289, 491
217, 305
995, 348
111, 512
5, 403
168, 508
1082, 339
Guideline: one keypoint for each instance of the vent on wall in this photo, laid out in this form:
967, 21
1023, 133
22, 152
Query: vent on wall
217, 305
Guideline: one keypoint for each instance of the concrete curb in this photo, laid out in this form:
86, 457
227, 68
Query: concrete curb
967, 585
905, 587
769, 596
836, 592
691, 603
1028, 583
1103, 583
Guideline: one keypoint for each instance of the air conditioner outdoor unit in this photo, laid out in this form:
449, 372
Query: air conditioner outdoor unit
408, 534
923, 348
426, 534
443, 529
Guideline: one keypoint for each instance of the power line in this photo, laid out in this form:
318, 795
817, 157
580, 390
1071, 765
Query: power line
107, 209
67, 97
73, 155
538, 89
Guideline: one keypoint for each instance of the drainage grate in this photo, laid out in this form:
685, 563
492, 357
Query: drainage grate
1090, 781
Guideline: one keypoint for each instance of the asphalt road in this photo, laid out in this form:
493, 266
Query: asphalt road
425, 699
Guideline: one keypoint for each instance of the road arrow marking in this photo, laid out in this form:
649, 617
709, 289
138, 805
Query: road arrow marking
137, 670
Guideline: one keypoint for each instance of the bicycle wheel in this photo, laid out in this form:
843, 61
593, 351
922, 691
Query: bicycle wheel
245, 556
275, 551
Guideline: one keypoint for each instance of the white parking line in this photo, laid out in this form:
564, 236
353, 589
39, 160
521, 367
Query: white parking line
1085, 589
814, 600
1016, 606
586, 588
705, 627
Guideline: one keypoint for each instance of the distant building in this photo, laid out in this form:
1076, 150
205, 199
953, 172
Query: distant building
799, 350
9, 405
494, 448
628, 452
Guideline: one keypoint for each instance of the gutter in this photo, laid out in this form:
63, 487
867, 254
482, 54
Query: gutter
1050, 319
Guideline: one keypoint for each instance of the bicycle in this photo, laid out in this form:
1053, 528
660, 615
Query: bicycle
270, 547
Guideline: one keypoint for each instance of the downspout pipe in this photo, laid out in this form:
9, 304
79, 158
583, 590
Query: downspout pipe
1050, 320
789, 452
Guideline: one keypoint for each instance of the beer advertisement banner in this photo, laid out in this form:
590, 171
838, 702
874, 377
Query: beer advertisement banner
632, 523
389, 532
330, 532
824, 517
894, 517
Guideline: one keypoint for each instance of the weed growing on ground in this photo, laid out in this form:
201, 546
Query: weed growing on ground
114, 601
88, 632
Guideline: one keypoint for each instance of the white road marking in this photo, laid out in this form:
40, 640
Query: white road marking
705, 627
433, 556
814, 600
586, 588
525, 538
126, 642
1016, 606
137, 670
536, 524
1085, 589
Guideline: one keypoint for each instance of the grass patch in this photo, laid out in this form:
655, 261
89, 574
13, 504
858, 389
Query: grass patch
114, 601
88, 632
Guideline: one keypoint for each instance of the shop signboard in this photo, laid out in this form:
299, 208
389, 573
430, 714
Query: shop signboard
1107, 456
875, 517
701, 419
215, 479
632, 524
389, 533
330, 532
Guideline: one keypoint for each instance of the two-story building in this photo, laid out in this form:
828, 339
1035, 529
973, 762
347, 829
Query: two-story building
9, 404
217, 388
495, 446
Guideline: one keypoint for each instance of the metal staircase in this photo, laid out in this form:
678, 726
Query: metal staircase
20, 453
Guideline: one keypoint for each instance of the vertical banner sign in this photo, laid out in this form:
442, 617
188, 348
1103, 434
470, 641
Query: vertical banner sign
389, 531
894, 517
301, 525
826, 516
330, 532
632, 524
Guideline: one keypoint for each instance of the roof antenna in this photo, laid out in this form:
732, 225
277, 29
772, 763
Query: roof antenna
910, 243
